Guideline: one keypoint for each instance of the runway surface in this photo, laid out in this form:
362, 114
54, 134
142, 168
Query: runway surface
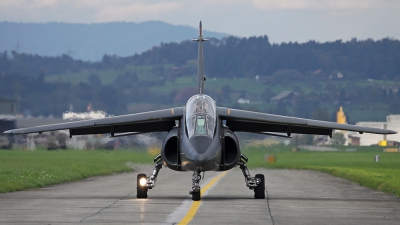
294, 197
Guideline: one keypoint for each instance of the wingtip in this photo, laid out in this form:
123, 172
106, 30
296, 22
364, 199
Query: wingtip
392, 132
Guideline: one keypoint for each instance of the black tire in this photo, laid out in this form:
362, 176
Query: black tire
259, 191
141, 191
196, 196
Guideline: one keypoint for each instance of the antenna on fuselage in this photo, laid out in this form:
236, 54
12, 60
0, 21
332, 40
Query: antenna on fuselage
200, 62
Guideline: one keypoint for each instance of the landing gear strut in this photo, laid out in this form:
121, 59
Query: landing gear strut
144, 183
195, 191
151, 181
256, 183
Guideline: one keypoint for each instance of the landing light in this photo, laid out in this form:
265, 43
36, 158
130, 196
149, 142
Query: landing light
142, 181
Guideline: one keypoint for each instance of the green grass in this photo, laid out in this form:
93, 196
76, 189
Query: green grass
106, 77
237, 84
377, 111
21, 170
356, 166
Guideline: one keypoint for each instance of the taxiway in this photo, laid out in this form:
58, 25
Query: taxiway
294, 197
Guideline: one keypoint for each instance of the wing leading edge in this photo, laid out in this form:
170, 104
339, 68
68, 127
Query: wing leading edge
247, 121
153, 121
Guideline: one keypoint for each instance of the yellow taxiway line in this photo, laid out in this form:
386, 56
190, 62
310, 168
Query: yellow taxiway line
196, 204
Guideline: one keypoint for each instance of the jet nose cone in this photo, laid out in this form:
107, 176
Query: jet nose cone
204, 162
200, 143
201, 158
204, 158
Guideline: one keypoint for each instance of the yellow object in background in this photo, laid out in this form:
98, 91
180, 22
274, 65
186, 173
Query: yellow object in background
382, 143
152, 150
341, 116
391, 150
270, 158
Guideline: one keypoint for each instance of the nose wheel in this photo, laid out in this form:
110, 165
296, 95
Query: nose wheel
196, 196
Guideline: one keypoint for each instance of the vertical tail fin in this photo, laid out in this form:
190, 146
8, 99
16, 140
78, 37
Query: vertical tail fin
200, 62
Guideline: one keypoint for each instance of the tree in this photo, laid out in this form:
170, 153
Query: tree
338, 138
302, 139
320, 114
267, 94
226, 90
94, 80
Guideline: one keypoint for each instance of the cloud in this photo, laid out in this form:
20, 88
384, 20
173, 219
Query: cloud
322, 4
282, 20
85, 11
144, 11
90, 11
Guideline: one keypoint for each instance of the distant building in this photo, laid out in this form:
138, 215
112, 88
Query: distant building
336, 75
7, 122
7, 115
392, 123
243, 101
284, 96
365, 139
7, 107
353, 140
390, 89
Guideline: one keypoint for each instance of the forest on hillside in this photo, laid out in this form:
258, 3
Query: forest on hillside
362, 73
232, 56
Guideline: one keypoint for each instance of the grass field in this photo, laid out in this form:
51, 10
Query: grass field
356, 166
20, 170
106, 77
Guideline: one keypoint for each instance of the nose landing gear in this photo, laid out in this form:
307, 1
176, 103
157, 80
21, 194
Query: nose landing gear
195, 191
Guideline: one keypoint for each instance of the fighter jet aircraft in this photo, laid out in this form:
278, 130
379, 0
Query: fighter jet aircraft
200, 135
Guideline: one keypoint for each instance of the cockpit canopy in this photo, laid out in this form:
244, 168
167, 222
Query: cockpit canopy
200, 116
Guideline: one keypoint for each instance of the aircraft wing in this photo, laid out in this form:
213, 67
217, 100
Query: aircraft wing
153, 121
247, 121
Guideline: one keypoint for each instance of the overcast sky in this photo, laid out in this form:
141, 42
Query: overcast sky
281, 20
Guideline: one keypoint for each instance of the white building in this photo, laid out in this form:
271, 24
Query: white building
366, 139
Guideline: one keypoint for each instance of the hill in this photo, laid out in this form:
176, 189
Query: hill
91, 41
363, 76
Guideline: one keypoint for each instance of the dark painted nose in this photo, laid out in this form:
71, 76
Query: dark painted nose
200, 143
203, 161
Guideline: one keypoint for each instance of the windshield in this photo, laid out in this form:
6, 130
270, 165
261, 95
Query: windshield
200, 116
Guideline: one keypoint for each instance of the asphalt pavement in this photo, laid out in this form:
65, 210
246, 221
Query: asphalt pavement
294, 197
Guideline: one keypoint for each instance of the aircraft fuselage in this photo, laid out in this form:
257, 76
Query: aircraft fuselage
199, 140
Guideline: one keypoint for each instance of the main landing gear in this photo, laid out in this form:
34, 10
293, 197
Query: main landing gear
256, 183
144, 183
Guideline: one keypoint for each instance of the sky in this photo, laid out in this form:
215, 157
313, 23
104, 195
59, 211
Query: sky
280, 20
